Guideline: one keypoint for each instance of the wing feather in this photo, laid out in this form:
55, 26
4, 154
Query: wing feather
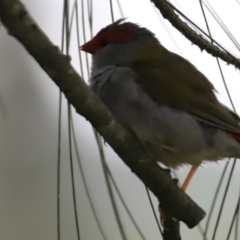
182, 87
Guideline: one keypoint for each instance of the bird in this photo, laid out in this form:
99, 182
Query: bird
163, 99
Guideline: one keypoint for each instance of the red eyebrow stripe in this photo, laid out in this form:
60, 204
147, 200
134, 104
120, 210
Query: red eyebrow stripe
121, 33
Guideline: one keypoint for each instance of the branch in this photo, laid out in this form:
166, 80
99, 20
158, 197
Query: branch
171, 227
21, 25
167, 12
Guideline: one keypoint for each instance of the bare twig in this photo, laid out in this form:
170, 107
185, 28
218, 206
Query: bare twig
171, 227
171, 230
173, 200
168, 12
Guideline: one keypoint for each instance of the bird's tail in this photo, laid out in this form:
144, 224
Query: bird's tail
235, 136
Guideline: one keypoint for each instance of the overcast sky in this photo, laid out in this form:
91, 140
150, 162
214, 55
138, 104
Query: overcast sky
28, 139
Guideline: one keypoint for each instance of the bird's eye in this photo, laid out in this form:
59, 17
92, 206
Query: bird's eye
104, 42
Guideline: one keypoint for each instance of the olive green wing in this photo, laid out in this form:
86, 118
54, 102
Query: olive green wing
173, 81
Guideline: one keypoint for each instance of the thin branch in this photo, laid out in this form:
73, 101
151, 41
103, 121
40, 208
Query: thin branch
173, 200
168, 12
171, 227
154, 213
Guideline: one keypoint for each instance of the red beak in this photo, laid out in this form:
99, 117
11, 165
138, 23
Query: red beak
89, 47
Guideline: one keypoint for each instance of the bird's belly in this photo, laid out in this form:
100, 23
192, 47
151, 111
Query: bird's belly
176, 138
179, 158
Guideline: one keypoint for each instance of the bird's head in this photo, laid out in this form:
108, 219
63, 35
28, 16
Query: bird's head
118, 42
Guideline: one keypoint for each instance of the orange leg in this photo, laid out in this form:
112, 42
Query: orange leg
189, 177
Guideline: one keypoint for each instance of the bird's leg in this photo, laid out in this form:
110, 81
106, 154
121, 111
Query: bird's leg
189, 177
